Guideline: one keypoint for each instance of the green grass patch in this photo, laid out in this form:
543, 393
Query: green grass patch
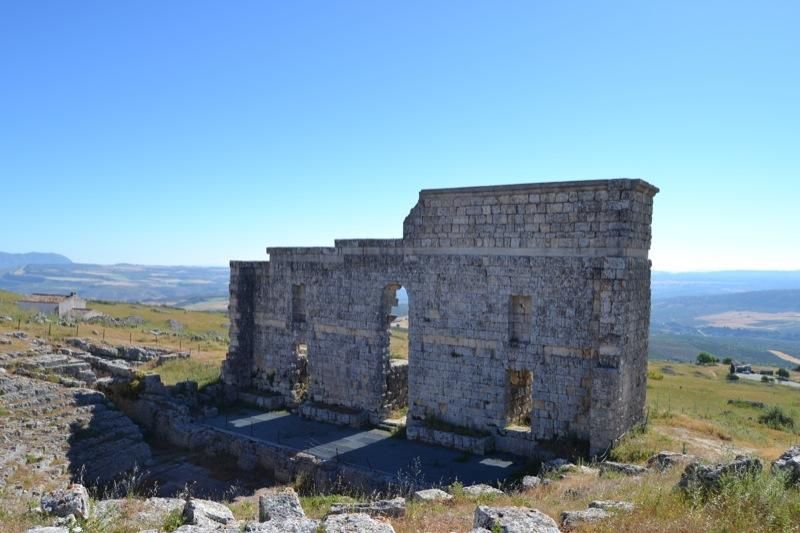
175, 371
398, 343
318, 506
172, 521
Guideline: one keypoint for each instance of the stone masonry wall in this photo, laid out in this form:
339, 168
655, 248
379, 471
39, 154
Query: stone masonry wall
549, 281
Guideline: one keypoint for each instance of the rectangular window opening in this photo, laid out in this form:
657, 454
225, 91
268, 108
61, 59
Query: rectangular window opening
298, 303
520, 319
519, 398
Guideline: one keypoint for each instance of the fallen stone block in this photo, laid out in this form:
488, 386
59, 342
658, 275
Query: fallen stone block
429, 495
482, 489
625, 469
573, 519
513, 520
666, 460
72, 501
529, 482
394, 508
355, 523
611, 505
288, 525
280, 506
206, 513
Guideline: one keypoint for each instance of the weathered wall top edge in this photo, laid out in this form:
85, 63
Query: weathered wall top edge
301, 250
246, 264
372, 243
553, 186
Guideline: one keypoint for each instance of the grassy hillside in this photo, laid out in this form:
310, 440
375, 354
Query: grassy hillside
173, 285
204, 334
675, 347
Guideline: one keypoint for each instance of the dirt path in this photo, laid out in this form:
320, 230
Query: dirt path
704, 446
785, 356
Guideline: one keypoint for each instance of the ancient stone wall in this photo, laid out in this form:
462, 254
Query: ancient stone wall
540, 288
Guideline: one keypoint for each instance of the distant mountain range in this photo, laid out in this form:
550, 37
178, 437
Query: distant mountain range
170, 285
13, 261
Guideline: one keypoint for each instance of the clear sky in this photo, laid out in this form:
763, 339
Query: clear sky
196, 132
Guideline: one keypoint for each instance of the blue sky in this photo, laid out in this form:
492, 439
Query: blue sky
196, 132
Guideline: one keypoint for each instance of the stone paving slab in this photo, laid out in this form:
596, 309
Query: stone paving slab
371, 448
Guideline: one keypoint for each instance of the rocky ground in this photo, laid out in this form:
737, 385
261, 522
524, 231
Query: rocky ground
54, 432
57, 429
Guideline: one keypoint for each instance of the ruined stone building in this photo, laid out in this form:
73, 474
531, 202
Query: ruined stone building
62, 305
529, 310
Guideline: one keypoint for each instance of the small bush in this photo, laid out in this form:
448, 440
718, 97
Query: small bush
732, 377
727, 361
766, 379
775, 418
783, 373
172, 521
705, 358
655, 375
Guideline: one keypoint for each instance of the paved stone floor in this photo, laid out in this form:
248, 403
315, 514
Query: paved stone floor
371, 448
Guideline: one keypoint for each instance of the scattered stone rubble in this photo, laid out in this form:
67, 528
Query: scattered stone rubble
666, 460
789, 464
82, 363
278, 513
133, 354
697, 476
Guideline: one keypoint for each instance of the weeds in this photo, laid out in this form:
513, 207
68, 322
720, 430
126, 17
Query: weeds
172, 521
775, 418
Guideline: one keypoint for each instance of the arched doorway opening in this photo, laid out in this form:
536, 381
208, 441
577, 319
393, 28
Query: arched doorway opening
396, 321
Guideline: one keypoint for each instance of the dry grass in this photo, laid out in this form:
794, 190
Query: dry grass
198, 336
398, 343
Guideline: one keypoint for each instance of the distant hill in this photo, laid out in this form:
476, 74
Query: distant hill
13, 261
173, 285
670, 285
742, 325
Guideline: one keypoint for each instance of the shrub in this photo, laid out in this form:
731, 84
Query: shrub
727, 361
775, 418
705, 358
783, 373
655, 375
766, 379
173, 520
732, 377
